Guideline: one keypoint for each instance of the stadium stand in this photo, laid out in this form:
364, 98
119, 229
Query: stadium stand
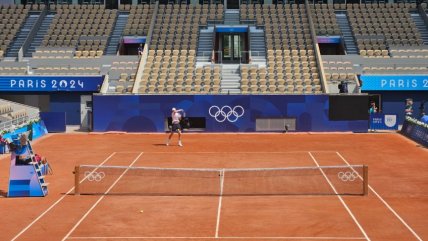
13, 114
77, 39
377, 27
290, 51
11, 20
86, 27
139, 19
122, 76
324, 19
170, 65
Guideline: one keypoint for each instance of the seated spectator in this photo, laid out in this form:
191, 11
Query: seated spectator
424, 118
140, 50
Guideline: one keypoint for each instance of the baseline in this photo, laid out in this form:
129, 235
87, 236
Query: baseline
273, 238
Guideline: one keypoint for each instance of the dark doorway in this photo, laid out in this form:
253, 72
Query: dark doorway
331, 49
232, 48
232, 4
112, 4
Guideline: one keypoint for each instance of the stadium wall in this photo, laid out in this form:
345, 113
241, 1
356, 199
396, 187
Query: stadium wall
147, 113
393, 102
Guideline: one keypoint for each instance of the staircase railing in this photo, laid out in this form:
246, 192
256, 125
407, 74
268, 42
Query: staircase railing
423, 14
317, 49
145, 54
31, 35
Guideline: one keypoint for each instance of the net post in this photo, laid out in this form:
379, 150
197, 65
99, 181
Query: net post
366, 179
76, 180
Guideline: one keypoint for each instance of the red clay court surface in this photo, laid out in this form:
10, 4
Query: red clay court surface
396, 207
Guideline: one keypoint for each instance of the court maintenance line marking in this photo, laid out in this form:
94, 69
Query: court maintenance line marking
217, 227
102, 197
385, 203
247, 238
58, 201
341, 199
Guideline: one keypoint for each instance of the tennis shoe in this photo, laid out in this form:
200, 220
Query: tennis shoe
180, 144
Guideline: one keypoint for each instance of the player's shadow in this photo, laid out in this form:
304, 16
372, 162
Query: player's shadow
159, 144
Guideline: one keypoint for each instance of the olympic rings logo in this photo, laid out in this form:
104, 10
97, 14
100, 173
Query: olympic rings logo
94, 176
226, 113
347, 176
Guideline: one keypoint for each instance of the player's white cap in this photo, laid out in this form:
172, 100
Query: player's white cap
173, 109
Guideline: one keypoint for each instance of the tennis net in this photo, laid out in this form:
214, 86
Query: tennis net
151, 181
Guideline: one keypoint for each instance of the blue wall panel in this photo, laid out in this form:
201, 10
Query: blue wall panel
146, 113
54, 121
69, 103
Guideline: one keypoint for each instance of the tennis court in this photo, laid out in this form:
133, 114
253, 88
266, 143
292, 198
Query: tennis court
394, 209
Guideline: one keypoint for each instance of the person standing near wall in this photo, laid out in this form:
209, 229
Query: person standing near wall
373, 108
372, 111
409, 107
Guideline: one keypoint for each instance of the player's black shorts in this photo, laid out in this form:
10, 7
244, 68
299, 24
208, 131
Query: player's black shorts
176, 127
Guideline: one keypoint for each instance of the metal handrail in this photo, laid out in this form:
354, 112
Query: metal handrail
242, 58
9, 125
145, 54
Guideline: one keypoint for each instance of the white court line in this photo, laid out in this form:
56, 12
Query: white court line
341, 199
217, 227
386, 204
56, 203
247, 238
101, 198
233, 152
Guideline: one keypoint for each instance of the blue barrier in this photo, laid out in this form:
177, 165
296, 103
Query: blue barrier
54, 121
415, 130
147, 113
381, 121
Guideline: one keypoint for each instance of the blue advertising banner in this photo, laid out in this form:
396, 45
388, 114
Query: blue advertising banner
134, 39
394, 82
222, 113
231, 29
415, 130
381, 121
50, 83
328, 39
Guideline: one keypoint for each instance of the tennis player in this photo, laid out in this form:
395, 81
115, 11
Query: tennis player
176, 117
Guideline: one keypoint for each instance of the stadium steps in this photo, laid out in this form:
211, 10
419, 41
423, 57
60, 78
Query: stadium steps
230, 79
420, 24
348, 37
231, 17
257, 46
22, 35
205, 45
119, 26
41, 32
